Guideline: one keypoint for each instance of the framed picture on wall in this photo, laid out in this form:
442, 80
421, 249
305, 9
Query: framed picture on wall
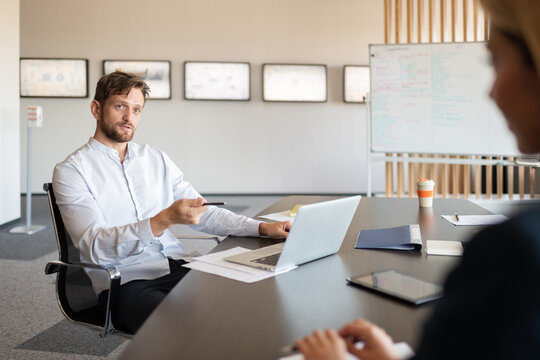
156, 73
356, 84
294, 83
54, 78
205, 80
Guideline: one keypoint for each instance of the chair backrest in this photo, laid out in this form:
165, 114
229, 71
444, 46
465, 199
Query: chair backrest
67, 252
76, 296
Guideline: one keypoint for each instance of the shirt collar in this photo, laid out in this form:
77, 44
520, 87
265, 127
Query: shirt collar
96, 145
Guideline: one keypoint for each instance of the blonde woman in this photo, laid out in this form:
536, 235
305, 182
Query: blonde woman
491, 307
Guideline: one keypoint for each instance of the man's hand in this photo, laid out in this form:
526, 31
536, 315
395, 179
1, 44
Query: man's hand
378, 345
184, 211
326, 345
279, 230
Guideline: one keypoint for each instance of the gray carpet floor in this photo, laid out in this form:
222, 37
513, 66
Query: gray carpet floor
31, 324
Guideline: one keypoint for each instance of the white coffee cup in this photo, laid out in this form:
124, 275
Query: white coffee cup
424, 188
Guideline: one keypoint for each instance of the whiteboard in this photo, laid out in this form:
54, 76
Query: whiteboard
294, 82
216, 81
433, 98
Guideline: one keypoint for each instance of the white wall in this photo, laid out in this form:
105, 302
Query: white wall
222, 147
10, 203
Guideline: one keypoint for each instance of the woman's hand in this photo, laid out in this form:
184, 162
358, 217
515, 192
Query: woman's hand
327, 345
378, 345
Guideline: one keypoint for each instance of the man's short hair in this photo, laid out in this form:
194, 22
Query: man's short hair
119, 83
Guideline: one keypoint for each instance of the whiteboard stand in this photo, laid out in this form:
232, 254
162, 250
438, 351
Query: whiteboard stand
34, 113
368, 142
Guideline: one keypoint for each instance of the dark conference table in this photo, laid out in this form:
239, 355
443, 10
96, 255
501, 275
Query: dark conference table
210, 317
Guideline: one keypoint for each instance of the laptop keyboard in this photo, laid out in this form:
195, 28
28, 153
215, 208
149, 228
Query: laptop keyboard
268, 260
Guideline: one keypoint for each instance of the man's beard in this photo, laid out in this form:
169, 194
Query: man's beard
113, 134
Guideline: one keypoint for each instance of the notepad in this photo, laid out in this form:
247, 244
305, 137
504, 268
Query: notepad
405, 237
444, 247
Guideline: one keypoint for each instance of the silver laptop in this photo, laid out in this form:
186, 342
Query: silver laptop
318, 230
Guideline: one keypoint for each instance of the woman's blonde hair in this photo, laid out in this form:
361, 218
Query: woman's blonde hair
520, 19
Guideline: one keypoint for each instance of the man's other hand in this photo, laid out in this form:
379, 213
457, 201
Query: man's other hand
279, 230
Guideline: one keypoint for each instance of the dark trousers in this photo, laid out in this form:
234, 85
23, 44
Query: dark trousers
138, 298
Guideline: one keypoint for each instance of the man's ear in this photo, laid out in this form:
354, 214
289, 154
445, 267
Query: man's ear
95, 108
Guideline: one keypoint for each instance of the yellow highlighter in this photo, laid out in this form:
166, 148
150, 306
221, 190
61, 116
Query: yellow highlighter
294, 210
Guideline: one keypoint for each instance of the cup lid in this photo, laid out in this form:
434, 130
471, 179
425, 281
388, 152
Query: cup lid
422, 181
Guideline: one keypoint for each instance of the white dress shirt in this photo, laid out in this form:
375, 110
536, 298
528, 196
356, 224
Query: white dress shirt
106, 206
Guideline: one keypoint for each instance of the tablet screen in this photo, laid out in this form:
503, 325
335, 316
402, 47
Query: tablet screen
399, 285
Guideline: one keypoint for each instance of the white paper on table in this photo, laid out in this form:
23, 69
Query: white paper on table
280, 216
215, 264
475, 219
402, 349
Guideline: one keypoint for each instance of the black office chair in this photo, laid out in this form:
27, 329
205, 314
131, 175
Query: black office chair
76, 297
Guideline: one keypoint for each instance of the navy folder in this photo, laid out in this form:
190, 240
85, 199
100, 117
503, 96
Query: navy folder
397, 238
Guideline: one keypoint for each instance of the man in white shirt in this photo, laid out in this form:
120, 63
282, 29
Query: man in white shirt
118, 199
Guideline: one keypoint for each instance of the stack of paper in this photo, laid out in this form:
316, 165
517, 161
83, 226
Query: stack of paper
216, 264
280, 216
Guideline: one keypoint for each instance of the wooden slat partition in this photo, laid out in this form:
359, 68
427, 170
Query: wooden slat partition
532, 181
499, 179
443, 18
475, 20
510, 179
466, 181
478, 181
400, 177
411, 178
455, 180
489, 179
521, 181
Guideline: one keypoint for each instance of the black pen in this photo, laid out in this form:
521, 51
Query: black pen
457, 217
213, 203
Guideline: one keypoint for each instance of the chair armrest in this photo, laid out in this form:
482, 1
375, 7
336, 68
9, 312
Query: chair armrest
54, 266
114, 278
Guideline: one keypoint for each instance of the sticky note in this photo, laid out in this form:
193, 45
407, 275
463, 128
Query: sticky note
294, 210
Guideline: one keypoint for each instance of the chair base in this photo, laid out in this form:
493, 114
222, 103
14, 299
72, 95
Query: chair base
27, 230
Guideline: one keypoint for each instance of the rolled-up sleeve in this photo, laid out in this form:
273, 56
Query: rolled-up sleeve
215, 221
224, 222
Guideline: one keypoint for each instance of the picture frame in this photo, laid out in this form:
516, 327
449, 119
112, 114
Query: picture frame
156, 74
217, 80
356, 83
53, 77
295, 83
